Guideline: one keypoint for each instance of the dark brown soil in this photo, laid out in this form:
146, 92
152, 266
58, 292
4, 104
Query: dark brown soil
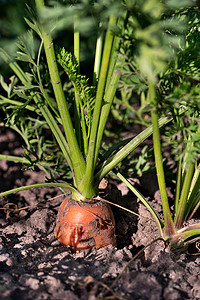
33, 265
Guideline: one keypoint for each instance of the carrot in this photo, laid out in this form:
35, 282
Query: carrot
83, 225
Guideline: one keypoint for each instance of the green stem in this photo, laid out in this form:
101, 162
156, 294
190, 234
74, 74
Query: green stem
190, 233
108, 99
44, 93
112, 63
143, 200
85, 186
189, 190
178, 185
77, 158
14, 158
100, 93
18, 103
168, 223
98, 54
76, 105
179, 217
194, 195
80, 117
38, 185
115, 159
55, 130
195, 205
195, 184
23, 160
110, 91
76, 42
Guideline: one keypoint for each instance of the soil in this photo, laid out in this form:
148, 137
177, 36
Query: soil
34, 265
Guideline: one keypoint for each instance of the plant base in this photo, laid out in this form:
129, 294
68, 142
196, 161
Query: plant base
84, 225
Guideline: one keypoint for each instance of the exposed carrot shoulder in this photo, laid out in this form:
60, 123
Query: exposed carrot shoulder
83, 225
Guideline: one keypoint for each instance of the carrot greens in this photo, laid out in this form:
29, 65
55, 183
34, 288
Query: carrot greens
165, 64
146, 52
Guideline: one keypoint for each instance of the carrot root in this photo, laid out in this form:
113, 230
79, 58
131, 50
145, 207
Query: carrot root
84, 225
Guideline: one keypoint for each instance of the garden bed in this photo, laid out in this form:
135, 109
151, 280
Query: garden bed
33, 265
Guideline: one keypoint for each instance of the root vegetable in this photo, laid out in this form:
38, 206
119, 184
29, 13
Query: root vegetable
83, 225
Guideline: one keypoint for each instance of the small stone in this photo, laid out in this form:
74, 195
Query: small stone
33, 283
5, 258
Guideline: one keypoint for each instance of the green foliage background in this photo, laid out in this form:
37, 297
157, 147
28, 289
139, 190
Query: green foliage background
159, 42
